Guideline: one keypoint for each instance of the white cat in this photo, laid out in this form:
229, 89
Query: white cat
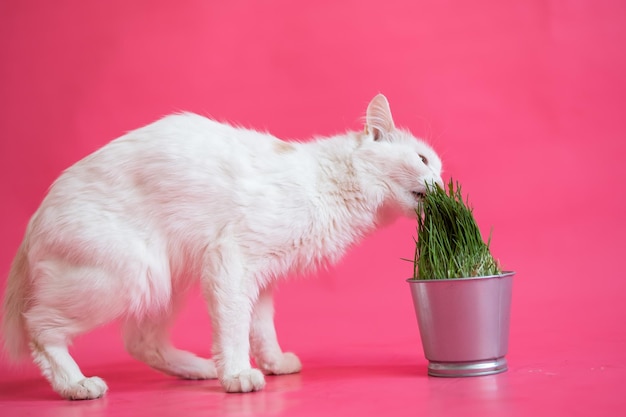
123, 234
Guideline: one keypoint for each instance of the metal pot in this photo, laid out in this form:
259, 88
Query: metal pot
464, 323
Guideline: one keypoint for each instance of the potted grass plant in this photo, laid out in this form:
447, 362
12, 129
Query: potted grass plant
461, 296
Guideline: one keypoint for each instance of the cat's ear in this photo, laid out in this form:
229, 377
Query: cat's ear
378, 120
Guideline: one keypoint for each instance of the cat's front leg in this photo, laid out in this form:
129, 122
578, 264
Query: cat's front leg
264, 343
231, 310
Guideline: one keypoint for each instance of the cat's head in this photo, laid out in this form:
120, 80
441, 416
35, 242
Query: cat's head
403, 164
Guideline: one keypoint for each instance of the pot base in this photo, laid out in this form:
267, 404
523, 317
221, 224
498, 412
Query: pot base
463, 369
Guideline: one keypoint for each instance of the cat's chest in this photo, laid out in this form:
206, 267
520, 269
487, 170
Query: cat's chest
302, 245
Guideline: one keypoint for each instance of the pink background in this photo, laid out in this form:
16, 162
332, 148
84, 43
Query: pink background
525, 102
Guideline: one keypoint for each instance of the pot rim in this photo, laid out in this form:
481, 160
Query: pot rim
504, 274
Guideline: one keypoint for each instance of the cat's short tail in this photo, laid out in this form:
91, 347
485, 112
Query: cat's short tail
15, 298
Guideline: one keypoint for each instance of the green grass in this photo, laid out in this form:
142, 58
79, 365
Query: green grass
449, 243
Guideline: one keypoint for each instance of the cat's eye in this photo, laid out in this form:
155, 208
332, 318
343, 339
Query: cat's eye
424, 160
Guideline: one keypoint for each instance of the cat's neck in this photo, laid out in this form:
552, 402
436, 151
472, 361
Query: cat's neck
348, 197
345, 176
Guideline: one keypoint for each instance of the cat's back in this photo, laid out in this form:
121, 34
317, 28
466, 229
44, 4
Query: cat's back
185, 137
180, 162
178, 147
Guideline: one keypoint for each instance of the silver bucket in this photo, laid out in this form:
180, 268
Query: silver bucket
464, 323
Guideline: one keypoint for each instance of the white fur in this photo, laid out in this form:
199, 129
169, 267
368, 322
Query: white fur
123, 233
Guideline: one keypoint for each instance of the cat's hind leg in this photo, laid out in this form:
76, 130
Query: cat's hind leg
63, 373
148, 341
50, 334
61, 306
264, 343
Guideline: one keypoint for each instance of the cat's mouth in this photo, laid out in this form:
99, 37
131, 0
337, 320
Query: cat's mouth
418, 195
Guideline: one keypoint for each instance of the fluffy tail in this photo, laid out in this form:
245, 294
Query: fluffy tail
15, 298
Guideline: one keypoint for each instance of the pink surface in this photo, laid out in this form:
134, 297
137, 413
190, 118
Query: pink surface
525, 101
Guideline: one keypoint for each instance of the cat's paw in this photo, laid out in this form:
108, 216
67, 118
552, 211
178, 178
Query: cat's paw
85, 389
246, 381
287, 363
